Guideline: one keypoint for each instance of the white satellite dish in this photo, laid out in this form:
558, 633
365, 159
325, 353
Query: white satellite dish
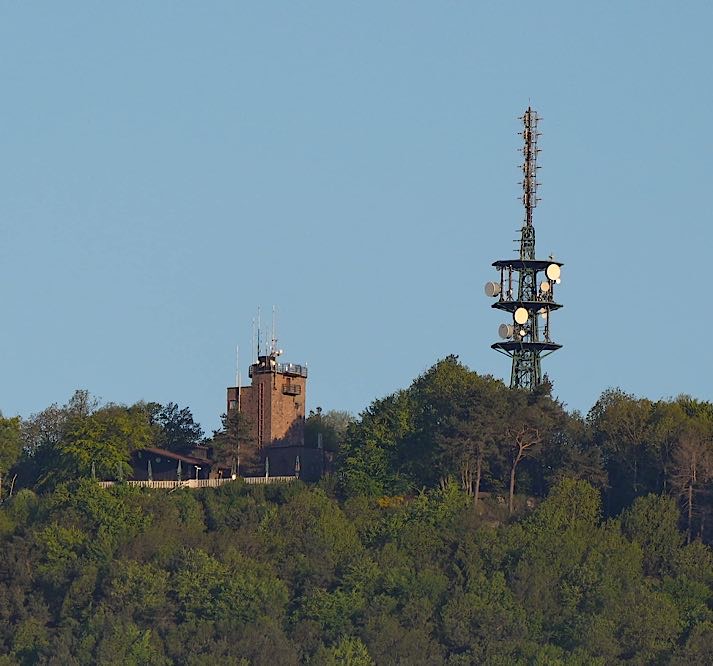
521, 315
545, 286
492, 289
553, 272
505, 331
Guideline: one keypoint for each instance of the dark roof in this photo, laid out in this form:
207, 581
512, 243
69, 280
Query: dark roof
191, 460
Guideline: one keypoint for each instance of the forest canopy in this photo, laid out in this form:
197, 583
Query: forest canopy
465, 523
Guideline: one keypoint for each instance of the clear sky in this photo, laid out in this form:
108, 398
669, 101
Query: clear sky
166, 167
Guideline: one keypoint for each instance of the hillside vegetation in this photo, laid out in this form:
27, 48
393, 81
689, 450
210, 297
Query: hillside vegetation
466, 523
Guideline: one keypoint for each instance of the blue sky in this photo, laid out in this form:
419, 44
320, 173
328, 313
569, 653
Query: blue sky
167, 167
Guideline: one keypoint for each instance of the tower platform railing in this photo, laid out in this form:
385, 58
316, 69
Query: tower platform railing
292, 369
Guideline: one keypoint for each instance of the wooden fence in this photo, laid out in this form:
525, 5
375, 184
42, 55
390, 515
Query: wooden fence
201, 483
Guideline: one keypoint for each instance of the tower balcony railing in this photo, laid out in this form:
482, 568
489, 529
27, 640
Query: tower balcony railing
267, 364
292, 389
292, 369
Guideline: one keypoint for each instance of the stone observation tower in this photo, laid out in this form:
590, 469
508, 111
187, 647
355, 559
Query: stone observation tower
526, 285
274, 409
274, 403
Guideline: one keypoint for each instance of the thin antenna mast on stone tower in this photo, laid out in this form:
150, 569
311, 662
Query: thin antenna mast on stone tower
238, 376
258, 332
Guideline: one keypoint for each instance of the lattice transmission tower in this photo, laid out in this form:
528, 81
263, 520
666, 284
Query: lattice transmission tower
527, 284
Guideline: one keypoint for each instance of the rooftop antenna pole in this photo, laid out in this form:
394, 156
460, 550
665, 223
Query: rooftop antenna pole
237, 372
273, 342
522, 340
258, 331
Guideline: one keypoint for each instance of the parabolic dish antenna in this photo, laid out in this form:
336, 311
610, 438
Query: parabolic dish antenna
553, 271
505, 331
545, 286
521, 315
492, 289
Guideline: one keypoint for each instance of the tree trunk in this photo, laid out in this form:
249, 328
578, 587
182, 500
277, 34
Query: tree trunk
466, 478
478, 470
690, 511
512, 484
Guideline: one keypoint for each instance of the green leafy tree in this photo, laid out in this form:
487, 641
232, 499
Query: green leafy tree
652, 521
105, 439
349, 651
264, 643
313, 539
444, 402
65, 443
10, 446
122, 643
176, 429
698, 648
530, 422
138, 590
41, 434
229, 443
571, 453
668, 422
623, 426
334, 613
370, 458
485, 620
471, 430
330, 427
692, 467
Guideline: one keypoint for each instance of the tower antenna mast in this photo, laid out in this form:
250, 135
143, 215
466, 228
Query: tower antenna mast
258, 332
523, 340
238, 377
273, 342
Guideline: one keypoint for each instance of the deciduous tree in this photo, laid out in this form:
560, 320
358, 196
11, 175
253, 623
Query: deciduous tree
229, 443
693, 467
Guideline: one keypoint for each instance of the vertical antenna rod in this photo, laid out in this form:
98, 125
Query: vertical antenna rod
529, 165
529, 181
258, 331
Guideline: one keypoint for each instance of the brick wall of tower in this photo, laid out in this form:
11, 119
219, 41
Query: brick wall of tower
287, 409
248, 406
280, 400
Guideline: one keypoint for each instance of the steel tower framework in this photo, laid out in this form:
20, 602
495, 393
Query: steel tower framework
520, 291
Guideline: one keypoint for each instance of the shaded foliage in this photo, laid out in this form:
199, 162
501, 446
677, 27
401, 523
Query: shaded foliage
175, 429
468, 524
124, 575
